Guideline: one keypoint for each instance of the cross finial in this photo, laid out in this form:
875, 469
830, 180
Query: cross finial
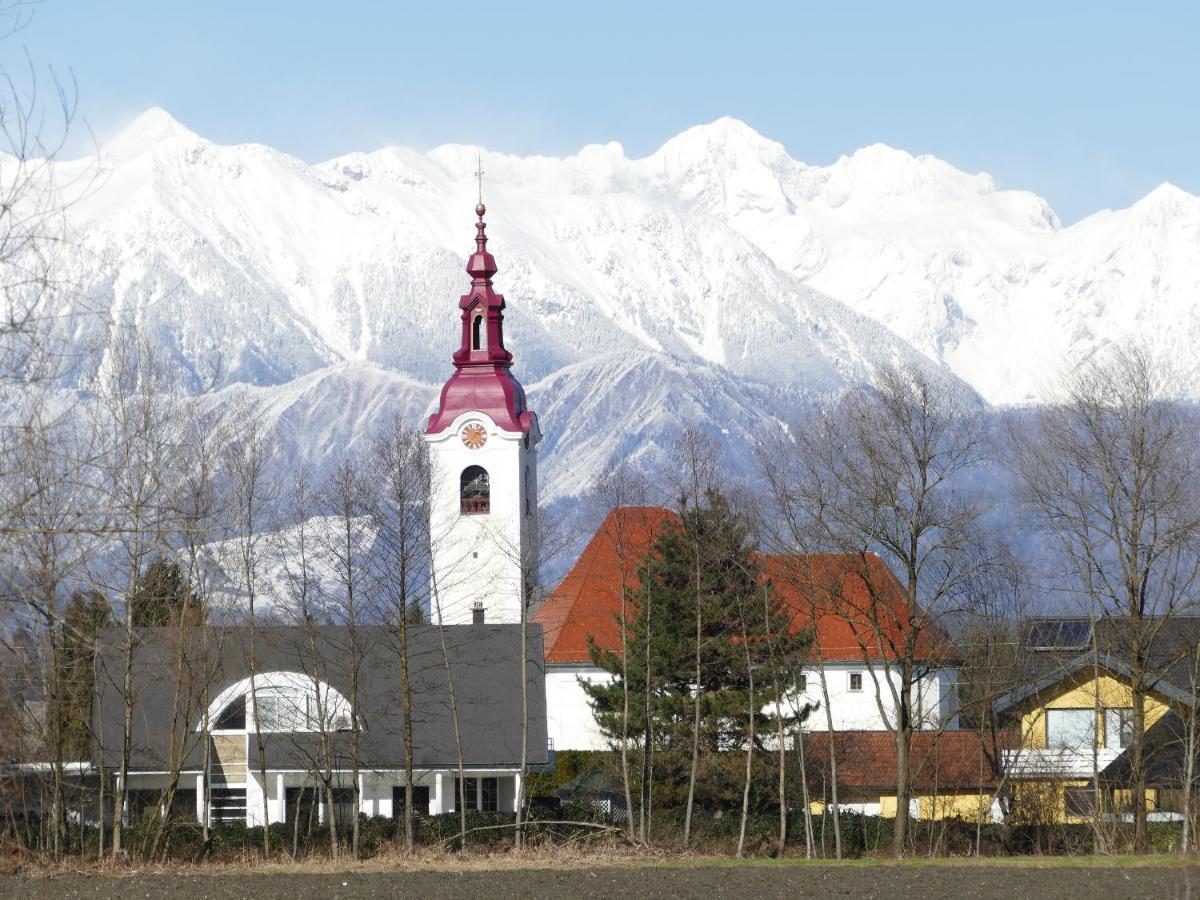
479, 175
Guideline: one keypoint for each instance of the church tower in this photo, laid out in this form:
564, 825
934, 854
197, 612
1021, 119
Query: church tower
483, 454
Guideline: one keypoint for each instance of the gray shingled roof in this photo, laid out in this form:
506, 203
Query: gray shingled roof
1165, 750
484, 662
1169, 661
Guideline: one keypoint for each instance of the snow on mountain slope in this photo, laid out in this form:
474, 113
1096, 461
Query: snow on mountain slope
650, 398
986, 281
248, 265
713, 283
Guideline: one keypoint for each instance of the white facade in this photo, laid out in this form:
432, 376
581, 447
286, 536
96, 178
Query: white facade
569, 719
377, 789
482, 559
855, 702
572, 725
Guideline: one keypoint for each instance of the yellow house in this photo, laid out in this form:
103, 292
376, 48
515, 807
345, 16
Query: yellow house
1076, 720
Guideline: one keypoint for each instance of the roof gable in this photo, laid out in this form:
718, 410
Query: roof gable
587, 602
1110, 663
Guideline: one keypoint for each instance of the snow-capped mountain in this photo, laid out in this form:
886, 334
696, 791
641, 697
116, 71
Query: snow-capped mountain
717, 282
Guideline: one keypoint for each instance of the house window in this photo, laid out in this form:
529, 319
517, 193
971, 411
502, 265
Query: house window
1071, 729
183, 805
489, 794
1079, 801
300, 805
475, 491
343, 808
420, 800
1118, 728
277, 711
227, 805
470, 791
856, 681
233, 716
144, 803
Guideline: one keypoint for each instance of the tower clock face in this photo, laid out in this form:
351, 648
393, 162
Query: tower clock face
474, 436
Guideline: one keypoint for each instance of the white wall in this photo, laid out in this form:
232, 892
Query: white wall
936, 699
480, 557
572, 726
376, 787
569, 720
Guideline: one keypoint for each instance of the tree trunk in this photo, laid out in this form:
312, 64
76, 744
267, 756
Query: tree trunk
903, 736
751, 711
625, 707
1189, 749
697, 687
835, 812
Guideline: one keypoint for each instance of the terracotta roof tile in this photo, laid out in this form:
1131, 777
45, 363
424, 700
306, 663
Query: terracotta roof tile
825, 589
938, 761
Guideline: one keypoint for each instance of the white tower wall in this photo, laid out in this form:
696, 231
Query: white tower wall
482, 558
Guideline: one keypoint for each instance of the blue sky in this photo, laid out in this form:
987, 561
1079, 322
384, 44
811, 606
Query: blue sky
1089, 104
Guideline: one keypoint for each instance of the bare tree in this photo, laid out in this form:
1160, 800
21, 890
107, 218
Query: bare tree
623, 495
300, 557
401, 516
349, 503
875, 478
1111, 466
436, 613
251, 493
137, 412
1190, 746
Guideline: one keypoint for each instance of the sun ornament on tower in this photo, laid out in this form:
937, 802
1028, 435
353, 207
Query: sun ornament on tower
483, 453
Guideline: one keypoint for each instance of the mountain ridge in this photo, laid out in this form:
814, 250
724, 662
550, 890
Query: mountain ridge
717, 265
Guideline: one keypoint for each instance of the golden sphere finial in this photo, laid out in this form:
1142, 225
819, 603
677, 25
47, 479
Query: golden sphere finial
480, 209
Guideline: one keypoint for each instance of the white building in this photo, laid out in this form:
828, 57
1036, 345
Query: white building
821, 589
483, 448
309, 722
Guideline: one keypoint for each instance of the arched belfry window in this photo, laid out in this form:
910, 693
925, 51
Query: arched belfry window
479, 331
475, 490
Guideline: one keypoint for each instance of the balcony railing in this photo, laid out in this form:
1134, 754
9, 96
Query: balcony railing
476, 506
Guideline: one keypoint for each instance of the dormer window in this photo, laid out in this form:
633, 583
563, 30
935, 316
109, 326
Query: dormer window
478, 331
475, 491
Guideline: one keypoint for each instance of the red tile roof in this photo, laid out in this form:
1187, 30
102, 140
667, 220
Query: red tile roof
938, 761
829, 587
587, 602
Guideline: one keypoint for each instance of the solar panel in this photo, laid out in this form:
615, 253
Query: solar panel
1060, 634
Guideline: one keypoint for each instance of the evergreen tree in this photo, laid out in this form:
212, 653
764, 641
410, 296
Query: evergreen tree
705, 558
86, 614
163, 595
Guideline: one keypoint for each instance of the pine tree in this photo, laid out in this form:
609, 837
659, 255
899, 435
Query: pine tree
710, 541
163, 595
86, 614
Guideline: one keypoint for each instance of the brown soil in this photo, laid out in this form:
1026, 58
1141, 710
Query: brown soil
758, 882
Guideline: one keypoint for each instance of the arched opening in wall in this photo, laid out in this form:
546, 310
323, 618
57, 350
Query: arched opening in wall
478, 332
287, 702
475, 491
233, 716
